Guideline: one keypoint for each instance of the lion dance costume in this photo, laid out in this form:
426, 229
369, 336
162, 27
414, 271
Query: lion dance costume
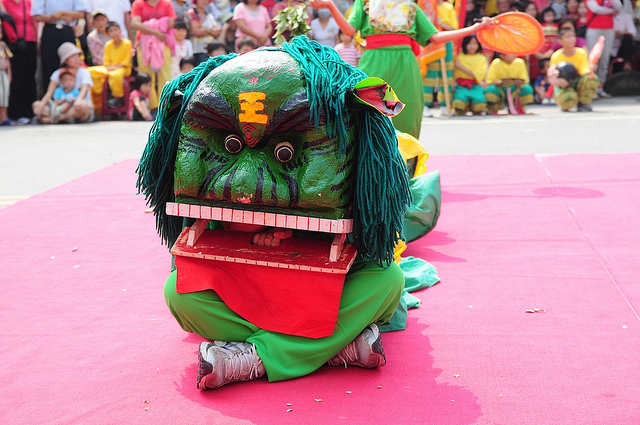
288, 137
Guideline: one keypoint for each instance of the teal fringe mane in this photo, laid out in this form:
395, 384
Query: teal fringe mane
382, 192
156, 167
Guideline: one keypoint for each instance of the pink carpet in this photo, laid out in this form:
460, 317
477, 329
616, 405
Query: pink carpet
85, 336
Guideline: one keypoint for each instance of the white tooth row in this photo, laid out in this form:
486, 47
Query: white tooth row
284, 221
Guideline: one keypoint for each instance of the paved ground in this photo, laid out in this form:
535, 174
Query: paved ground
36, 158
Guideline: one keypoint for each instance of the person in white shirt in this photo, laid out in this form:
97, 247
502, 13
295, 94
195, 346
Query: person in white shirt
324, 29
117, 11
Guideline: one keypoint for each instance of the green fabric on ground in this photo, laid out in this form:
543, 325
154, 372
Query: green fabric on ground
371, 294
418, 274
424, 211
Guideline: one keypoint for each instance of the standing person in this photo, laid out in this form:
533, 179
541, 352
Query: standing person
59, 18
228, 32
572, 9
204, 28
23, 63
118, 11
253, 20
82, 110
183, 48
446, 20
600, 22
142, 12
391, 28
324, 28
98, 37
180, 7
5, 80
347, 50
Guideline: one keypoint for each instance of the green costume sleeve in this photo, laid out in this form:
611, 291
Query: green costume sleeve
356, 15
424, 28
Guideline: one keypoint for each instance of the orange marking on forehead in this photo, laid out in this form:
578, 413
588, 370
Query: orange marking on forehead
250, 103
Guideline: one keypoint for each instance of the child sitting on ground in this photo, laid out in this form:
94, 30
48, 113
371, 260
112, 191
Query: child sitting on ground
117, 67
508, 81
64, 96
347, 50
541, 85
139, 99
183, 47
572, 95
470, 73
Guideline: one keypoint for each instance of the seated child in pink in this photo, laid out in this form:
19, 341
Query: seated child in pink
139, 99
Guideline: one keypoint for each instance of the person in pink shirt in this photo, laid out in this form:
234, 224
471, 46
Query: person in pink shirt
143, 11
253, 20
23, 63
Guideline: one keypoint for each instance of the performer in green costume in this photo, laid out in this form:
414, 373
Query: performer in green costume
394, 30
290, 130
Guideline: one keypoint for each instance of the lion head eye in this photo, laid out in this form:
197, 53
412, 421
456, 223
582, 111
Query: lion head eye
284, 152
233, 144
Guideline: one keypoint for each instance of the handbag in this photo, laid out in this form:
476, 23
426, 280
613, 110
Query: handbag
20, 44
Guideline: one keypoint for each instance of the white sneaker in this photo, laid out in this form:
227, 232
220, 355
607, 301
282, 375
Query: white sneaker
221, 363
603, 94
364, 351
426, 112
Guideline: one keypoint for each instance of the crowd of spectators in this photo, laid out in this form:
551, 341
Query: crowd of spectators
107, 44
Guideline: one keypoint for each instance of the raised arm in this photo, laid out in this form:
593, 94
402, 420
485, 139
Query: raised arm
445, 36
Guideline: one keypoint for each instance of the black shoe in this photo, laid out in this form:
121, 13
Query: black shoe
115, 102
584, 108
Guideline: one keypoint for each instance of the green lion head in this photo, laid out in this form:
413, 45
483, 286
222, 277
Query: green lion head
280, 130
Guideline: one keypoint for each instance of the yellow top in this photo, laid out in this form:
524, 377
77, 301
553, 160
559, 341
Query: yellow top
579, 59
447, 14
500, 70
476, 63
118, 55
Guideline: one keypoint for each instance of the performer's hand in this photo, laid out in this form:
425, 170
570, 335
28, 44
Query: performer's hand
485, 23
319, 4
271, 237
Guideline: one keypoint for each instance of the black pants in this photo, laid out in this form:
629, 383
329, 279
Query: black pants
52, 38
625, 52
23, 82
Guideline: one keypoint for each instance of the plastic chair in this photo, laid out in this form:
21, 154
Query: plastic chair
105, 96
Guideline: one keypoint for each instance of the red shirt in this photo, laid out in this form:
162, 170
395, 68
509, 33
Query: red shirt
15, 10
602, 22
145, 11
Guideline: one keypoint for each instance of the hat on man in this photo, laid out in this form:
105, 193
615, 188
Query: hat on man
99, 12
67, 50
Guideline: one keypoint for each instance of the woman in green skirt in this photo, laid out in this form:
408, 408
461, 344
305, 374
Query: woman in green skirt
394, 30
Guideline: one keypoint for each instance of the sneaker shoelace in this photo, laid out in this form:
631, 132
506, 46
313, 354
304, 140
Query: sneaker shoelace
240, 363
